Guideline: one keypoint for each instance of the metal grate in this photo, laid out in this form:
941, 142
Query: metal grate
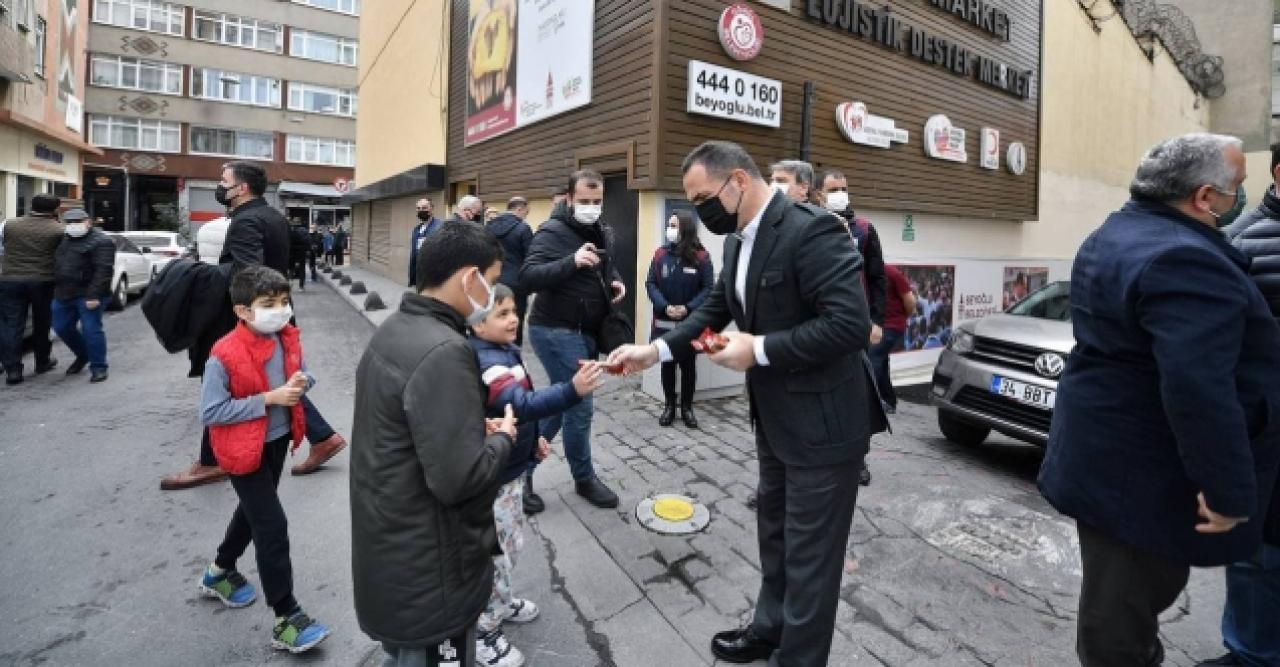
1005, 409
1006, 355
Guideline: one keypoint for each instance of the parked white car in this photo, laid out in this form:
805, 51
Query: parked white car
161, 248
133, 272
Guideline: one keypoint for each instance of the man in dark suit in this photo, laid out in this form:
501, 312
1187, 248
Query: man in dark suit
427, 225
791, 283
1166, 433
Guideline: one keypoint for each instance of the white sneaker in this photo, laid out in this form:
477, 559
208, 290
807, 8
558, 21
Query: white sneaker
493, 650
521, 611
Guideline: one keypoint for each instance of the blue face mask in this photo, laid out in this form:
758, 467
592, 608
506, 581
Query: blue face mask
1234, 212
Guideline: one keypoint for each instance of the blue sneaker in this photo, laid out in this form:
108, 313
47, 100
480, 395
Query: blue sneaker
297, 633
230, 587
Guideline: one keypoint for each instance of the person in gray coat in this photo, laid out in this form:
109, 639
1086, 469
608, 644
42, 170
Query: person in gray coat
425, 463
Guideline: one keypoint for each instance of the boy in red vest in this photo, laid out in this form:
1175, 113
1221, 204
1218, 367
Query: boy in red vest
250, 397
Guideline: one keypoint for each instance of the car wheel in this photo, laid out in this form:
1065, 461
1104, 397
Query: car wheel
120, 298
961, 432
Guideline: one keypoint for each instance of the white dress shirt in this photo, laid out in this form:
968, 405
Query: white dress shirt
747, 242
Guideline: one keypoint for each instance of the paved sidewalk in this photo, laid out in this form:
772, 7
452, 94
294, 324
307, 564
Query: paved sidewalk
954, 558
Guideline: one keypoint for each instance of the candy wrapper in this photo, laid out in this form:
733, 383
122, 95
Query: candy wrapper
612, 369
710, 342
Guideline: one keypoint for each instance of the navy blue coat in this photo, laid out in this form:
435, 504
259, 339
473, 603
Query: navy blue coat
1171, 389
508, 382
673, 283
419, 234
515, 236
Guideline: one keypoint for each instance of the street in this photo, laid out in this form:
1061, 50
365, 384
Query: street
954, 559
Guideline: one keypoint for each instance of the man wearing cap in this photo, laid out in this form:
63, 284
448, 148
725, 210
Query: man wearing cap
83, 268
26, 281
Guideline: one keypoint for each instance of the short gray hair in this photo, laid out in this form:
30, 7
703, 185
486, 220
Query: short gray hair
719, 158
801, 170
469, 202
1175, 168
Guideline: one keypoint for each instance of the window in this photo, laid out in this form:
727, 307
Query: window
143, 134
214, 84
318, 150
345, 6
319, 46
152, 15
231, 143
41, 28
135, 74
239, 31
321, 99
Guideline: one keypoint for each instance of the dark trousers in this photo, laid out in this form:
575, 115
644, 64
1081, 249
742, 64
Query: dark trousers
688, 380
300, 272
337, 256
15, 298
522, 307
1124, 591
311, 259
803, 518
879, 355
318, 430
453, 652
1252, 612
260, 519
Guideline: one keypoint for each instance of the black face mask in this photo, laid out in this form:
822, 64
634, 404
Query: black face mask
424, 216
220, 195
715, 217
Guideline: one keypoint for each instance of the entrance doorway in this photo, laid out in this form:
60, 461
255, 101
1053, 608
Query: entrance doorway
621, 210
155, 203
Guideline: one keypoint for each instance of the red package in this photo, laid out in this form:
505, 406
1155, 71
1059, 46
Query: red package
611, 369
710, 342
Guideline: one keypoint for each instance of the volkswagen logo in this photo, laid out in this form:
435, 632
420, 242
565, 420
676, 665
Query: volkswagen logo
1050, 365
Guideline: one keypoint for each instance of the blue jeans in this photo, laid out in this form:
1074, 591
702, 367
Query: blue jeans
559, 351
16, 297
1251, 617
879, 354
89, 341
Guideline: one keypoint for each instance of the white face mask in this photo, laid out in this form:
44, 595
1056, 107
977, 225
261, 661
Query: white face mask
780, 187
271, 320
480, 312
673, 234
837, 201
587, 214
77, 229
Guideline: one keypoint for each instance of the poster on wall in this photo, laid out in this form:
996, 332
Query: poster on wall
990, 148
527, 60
944, 141
930, 326
1019, 281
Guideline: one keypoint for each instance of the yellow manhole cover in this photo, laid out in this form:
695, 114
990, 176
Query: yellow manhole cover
672, 514
673, 509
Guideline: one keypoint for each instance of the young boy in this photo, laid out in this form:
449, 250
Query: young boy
503, 372
250, 427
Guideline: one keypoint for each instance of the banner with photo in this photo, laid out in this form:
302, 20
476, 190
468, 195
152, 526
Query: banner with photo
527, 60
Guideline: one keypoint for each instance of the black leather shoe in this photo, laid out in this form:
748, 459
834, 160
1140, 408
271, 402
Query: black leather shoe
47, 366
98, 375
77, 366
753, 501
13, 376
686, 413
596, 493
532, 501
668, 415
864, 477
741, 646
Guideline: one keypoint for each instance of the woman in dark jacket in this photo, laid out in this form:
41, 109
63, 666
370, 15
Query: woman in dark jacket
680, 278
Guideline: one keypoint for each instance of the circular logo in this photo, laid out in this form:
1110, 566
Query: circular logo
1050, 365
1016, 158
341, 185
741, 33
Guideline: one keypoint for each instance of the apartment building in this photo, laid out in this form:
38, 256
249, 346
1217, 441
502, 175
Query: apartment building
42, 81
177, 89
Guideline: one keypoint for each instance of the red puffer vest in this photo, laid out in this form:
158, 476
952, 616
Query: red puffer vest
238, 447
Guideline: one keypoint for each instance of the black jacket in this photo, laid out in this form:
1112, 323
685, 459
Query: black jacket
187, 298
423, 479
568, 297
83, 267
873, 264
815, 400
299, 245
515, 236
1257, 235
258, 234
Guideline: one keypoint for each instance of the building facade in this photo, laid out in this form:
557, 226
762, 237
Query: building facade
985, 140
42, 86
177, 89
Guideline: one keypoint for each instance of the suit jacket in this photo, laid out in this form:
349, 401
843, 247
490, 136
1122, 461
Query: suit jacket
420, 232
804, 293
258, 235
1170, 391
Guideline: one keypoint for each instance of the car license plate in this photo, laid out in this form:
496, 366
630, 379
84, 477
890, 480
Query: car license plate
1022, 392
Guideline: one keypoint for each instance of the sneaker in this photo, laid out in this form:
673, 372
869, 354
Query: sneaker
864, 477
297, 633
231, 587
493, 650
521, 611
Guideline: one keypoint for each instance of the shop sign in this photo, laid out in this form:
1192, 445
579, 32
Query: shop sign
1016, 159
341, 185
909, 229
75, 114
990, 148
741, 33
47, 154
733, 95
860, 127
527, 60
942, 141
